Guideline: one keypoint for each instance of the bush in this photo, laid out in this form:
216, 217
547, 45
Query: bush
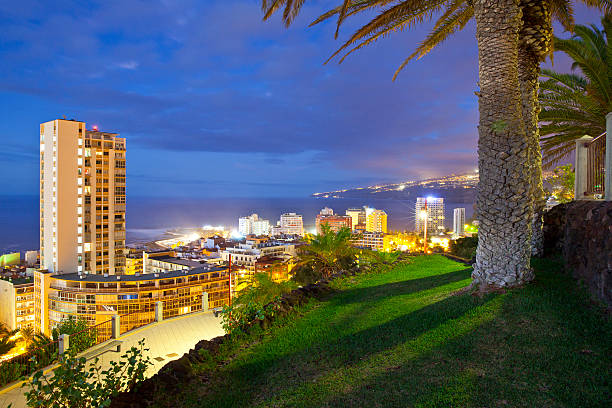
74, 384
464, 247
71, 326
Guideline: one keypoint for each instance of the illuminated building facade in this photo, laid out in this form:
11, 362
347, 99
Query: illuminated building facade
96, 298
358, 216
17, 303
253, 225
82, 199
292, 224
458, 222
371, 240
335, 222
376, 220
435, 215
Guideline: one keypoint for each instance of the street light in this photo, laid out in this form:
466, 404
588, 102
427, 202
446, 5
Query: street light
424, 217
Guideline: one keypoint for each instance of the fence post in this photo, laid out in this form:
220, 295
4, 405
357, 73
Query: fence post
608, 163
64, 343
580, 183
205, 301
159, 311
116, 326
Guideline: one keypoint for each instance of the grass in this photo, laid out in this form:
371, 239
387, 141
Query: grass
405, 339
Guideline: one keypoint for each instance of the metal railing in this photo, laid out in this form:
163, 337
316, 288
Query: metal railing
596, 164
28, 362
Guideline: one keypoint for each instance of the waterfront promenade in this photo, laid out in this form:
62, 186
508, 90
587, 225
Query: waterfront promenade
166, 341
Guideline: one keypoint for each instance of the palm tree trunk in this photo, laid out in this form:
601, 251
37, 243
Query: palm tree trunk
535, 40
504, 190
529, 70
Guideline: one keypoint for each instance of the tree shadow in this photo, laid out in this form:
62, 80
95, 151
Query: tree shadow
272, 374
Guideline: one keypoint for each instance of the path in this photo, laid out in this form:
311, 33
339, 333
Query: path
166, 340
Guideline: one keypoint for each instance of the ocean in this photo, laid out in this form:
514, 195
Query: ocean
149, 218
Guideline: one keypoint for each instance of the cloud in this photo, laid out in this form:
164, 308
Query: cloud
212, 78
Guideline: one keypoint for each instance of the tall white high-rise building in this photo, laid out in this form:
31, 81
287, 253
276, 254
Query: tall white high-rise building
82, 199
458, 222
245, 224
434, 216
292, 224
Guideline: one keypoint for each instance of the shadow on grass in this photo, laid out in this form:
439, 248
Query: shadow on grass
526, 356
404, 287
263, 376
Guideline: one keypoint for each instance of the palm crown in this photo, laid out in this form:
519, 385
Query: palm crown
575, 105
453, 16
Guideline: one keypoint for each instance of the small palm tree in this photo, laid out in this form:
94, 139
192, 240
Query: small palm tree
576, 104
3, 329
327, 253
27, 333
6, 344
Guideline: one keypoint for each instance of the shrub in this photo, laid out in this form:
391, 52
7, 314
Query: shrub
464, 247
75, 384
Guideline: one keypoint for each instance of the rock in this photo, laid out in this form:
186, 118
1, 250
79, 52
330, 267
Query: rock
581, 231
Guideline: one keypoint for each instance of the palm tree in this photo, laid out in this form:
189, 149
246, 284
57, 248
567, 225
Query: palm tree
576, 104
507, 148
326, 253
27, 333
6, 344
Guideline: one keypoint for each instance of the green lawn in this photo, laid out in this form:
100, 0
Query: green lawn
404, 339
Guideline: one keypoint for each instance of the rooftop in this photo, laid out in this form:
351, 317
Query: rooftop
178, 261
139, 277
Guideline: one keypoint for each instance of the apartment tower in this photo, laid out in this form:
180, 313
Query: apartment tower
434, 216
458, 222
82, 199
376, 220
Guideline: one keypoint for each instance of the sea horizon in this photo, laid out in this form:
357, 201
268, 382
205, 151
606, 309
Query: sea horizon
149, 218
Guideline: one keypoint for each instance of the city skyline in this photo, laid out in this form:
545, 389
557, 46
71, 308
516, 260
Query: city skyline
189, 96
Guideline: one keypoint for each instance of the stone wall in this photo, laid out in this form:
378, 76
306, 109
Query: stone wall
581, 231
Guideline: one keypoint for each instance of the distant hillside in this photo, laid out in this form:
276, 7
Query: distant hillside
453, 188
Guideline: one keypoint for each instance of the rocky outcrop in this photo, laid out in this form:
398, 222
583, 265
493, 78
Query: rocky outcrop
177, 373
581, 231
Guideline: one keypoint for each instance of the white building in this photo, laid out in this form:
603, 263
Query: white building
458, 222
434, 215
292, 224
82, 199
261, 227
248, 253
326, 211
253, 225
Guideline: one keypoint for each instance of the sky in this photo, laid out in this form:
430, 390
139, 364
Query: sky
215, 102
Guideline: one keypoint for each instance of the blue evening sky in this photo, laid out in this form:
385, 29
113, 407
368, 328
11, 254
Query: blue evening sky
216, 103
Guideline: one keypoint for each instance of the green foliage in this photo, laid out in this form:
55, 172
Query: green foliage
238, 318
77, 384
561, 184
6, 344
325, 254
261, 289
464, 247
576, 104
378, 261
80, 338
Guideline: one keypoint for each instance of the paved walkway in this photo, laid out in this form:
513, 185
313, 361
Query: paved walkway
167, 340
